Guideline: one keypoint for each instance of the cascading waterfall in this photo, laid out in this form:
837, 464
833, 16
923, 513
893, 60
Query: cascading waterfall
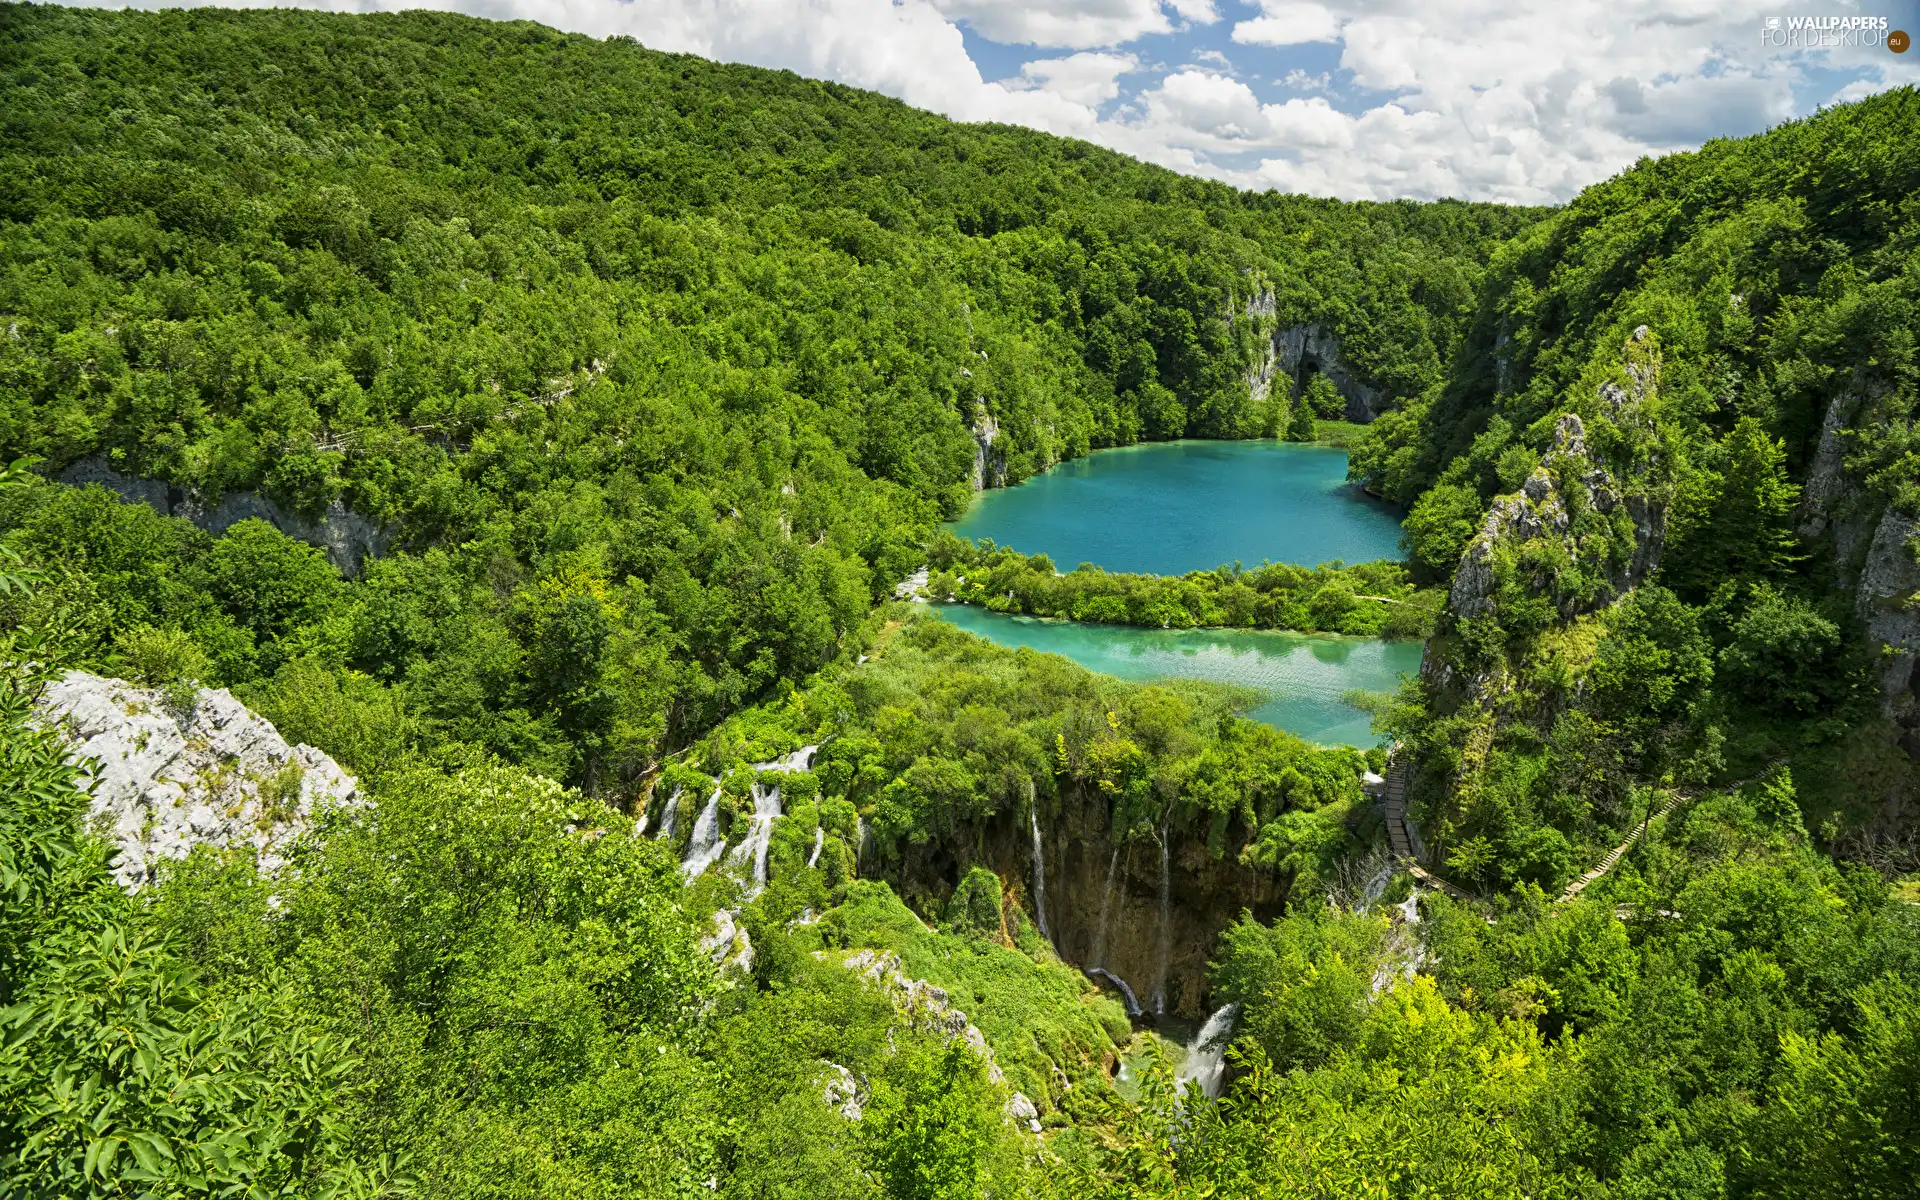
1375, 887
753, 848
819, 840
669, 816
1164, 961
1206, 1061
1132, 1002
1039, 875
706, 844
1106, 908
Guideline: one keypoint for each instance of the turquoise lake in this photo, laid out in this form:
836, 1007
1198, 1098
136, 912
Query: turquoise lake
1303, 676
1174, 507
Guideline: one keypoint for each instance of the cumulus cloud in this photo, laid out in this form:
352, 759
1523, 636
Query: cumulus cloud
1469, 98
1289, 23
1074, 24
1087, 79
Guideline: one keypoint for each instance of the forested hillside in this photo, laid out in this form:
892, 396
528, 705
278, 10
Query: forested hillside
690, 863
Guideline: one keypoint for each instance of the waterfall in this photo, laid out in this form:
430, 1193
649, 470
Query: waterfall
1165, 957
766, 810
706, 843
1106, 907
1039, 875
1132, 1004
753, 848
669, 817
819, 840
1374, 887
1206, 1061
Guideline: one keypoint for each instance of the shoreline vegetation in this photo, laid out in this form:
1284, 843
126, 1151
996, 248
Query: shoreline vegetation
1375, 599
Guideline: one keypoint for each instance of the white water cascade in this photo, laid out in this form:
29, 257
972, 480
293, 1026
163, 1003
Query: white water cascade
819, 840
1106, 909
669, 817
1164, 962
766, 810
1039, 875
706, 843
1132, 1003
1206, 1061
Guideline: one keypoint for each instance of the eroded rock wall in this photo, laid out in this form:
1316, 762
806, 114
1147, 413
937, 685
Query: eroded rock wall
1284, 352
348, 538
1104, 902
169, 774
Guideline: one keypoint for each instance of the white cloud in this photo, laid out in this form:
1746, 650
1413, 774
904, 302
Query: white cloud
1289, 23
1075, 24
1467, 98
1088, 79
1300, 81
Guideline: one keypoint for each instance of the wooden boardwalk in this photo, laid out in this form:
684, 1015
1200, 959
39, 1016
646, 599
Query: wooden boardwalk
1400, 837
1614, 855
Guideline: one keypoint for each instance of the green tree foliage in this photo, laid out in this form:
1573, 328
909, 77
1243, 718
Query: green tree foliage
1370, 600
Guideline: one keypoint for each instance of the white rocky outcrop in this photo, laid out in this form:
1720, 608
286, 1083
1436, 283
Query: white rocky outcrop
1285, 351
844, 1092
989, 464
728, 945
923, 1005
165, 779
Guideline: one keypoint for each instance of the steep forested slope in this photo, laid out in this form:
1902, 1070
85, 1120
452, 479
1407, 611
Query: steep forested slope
1702, 378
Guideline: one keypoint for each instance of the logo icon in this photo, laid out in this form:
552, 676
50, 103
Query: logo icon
1898, 41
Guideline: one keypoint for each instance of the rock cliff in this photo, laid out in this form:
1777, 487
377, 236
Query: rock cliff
348, 538
1148, 919
169, 774
1285, 352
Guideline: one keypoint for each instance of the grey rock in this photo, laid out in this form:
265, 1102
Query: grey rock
1287, 350
843, 1092
728, 945
989, 464
348, 538
1539, 511
923, 1005
1888, 601
164, 781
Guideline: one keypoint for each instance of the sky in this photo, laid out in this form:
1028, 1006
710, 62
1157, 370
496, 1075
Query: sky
1359, 99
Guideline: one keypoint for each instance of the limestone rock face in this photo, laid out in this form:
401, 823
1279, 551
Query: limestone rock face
165, 781
348, 538
1149, 919
1888, 600
989, 464
1287, 350
1539, 511
923, 1005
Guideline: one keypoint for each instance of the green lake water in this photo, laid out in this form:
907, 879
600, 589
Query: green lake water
1303, 676
1174, 507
